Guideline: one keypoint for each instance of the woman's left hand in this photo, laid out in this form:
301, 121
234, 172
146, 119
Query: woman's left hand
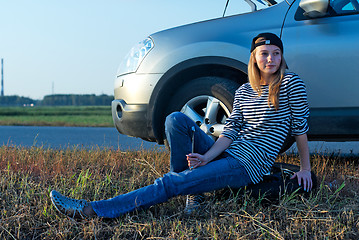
305, 177
196, 160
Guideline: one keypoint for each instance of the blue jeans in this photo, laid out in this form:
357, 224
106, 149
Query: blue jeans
224, 171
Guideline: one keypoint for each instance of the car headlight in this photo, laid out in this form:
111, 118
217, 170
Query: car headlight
134, 58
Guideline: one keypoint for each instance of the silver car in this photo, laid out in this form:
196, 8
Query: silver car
196, 68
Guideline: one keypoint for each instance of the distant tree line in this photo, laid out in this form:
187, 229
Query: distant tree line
59, 100
76, 100
16, 101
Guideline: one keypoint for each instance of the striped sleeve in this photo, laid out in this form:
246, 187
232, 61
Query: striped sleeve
298, 103
235, 121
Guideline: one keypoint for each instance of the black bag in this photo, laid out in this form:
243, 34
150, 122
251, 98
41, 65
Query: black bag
274, 185
278, 182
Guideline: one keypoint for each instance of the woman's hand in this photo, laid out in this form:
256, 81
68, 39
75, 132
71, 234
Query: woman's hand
305, 177
196, 160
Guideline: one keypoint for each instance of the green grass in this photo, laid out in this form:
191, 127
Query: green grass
89, 116
27, 175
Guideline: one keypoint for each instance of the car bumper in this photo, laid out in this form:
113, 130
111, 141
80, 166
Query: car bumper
131, 119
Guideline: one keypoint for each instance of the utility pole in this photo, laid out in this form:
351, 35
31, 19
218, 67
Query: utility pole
2, 77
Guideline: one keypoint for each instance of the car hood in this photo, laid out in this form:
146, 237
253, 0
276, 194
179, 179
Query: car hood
236, 29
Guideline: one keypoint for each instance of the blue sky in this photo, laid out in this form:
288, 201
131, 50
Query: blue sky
75, 46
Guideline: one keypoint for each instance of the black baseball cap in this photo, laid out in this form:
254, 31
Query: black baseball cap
269, 39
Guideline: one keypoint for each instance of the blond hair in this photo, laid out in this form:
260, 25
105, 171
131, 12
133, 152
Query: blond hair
254, 77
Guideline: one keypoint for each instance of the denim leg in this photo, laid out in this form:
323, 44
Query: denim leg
138, 199
218, 174
179, 133
225, 172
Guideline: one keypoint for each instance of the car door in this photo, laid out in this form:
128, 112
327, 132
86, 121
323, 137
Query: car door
325, 53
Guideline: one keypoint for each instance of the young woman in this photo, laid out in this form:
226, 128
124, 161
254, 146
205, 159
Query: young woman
265, 110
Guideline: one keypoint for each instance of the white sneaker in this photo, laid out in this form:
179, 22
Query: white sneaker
193, 202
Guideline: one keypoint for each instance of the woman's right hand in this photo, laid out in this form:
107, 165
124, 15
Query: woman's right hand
196, 160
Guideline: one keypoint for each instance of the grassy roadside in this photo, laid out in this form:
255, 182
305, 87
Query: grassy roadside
27, 175
79, 116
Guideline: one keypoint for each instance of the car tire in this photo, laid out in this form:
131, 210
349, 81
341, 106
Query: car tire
207, 101
288, 142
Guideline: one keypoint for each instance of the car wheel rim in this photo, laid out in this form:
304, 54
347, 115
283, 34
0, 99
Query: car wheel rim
208, 113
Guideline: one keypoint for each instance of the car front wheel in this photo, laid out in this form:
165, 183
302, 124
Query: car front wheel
207, 101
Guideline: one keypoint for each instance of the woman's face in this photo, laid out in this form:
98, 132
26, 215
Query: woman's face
268, 59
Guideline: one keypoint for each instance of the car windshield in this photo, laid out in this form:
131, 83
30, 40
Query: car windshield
234, 7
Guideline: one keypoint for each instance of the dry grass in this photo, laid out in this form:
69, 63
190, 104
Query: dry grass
29, 174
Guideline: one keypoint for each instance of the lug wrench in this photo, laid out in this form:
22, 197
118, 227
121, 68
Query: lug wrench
193, 131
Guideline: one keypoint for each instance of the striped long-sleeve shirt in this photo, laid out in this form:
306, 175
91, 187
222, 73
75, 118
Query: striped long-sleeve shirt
258, 131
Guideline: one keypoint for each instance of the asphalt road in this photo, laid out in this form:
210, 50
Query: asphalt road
64, 137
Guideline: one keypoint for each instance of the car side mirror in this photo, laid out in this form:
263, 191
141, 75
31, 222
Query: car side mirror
314, 8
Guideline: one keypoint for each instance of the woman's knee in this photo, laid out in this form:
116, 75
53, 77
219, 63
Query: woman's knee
170, 182
175, 118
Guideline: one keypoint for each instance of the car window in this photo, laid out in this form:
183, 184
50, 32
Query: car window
336, 8
235, 7
344, 7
